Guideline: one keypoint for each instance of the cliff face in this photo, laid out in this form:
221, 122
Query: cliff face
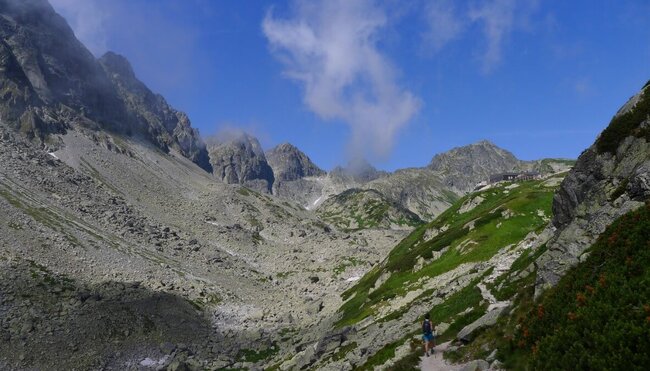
241, 160
609, 179
51, 83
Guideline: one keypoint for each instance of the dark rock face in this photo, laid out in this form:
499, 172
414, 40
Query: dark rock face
600, 188
51, 83
241, 161
289, 163
463, 167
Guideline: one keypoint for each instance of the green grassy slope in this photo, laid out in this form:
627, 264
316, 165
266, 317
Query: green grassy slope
503, 217
356, 209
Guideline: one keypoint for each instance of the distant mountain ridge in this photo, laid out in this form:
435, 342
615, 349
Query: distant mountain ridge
424, 191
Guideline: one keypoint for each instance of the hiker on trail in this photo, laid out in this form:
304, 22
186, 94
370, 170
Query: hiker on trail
427, 335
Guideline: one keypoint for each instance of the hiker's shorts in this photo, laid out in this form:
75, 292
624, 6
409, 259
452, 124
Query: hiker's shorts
427, 337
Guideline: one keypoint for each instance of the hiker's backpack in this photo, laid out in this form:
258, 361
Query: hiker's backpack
426, 327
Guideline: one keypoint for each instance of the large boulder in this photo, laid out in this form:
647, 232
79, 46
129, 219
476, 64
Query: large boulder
487, 320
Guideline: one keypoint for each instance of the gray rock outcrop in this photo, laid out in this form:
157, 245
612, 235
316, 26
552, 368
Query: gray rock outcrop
289, 163
475, 365
601, 187
241, 160
487, 320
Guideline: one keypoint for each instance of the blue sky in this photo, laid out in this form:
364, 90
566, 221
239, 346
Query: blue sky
393, 81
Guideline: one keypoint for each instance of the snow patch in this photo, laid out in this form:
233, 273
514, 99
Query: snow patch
353, 279
315, 203
148, 362
53, 155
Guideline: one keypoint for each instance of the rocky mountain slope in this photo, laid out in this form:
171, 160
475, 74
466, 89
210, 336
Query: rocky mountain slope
119, 251
96, 215
109, 230
609, 179
51, 83
419, 190
449, 267
360, 209
168, 127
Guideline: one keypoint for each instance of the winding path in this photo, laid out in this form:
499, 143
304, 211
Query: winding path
435, 362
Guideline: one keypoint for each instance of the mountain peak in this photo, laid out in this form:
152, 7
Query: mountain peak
290, 163
238, 158
117, 63
463, 167
484, 143
285, 147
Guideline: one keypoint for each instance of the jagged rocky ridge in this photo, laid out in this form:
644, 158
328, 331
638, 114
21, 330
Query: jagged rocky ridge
51, 83
424, 191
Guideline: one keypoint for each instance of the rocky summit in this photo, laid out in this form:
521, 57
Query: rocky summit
128, 243
289, 163
461, 167
241, 160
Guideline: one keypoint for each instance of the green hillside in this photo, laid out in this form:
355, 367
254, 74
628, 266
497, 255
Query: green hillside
474, 229
356, 209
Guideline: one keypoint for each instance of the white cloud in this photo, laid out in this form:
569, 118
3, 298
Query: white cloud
449, 20
444, 23
500, 18
330, 46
